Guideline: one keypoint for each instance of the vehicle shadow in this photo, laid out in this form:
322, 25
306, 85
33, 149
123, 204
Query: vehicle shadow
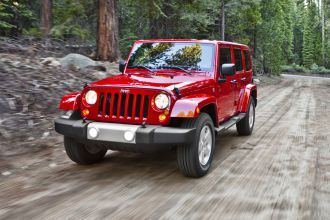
125, 165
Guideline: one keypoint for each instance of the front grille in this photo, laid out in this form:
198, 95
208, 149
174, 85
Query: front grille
123, 106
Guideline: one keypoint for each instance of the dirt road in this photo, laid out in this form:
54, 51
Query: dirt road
281, 172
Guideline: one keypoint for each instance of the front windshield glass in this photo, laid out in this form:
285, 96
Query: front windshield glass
189, 56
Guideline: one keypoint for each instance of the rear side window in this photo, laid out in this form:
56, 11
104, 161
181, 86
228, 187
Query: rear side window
225, 56
247, 60
238, 59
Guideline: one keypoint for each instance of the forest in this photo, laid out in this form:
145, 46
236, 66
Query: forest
281, 33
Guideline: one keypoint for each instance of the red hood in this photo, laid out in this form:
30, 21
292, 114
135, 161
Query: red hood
157, 81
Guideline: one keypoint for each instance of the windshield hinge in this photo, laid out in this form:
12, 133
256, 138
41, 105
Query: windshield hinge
177, 91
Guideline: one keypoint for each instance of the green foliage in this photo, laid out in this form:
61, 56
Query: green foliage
278, 31
15, 17
311, 40
297, 69
293, 68
273, 34
74, 19
242, 19
298, 29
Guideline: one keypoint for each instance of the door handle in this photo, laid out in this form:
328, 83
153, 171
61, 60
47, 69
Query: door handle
233, 82
243, 79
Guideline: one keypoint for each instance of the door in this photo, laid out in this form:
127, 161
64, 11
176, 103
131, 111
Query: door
227, 88
239, 75
246, 78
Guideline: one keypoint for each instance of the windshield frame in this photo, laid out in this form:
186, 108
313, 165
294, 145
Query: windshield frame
213, 58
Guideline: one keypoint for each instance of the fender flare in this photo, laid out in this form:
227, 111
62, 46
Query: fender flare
190, 106
70, 101
244, 97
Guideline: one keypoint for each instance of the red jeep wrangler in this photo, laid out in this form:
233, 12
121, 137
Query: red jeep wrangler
171, 93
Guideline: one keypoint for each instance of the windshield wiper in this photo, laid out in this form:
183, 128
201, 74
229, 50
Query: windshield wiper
178, 68
142, 67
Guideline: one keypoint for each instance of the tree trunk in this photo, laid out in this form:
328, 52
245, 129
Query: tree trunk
223, 20
46, 17
107, 37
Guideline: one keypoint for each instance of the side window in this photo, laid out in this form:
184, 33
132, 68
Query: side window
225, 56
247, 60
238, 59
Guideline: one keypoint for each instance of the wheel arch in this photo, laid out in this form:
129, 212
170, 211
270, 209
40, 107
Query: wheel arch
211, 110
192, 106
246, 93
70, 101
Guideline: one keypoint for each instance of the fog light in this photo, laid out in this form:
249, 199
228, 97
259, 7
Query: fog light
93, 132
129, 136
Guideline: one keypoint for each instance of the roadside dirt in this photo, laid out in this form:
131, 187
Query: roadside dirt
282, 171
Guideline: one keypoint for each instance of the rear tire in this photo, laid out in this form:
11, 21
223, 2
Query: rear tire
81, 153
246, 125
194, 160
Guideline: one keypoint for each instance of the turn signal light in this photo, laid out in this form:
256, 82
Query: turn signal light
162, 117
85, 112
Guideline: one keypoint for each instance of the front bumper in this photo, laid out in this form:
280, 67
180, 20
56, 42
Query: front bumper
115, 133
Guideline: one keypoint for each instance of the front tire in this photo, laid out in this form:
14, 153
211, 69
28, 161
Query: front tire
194, 160
245, 126
81, 153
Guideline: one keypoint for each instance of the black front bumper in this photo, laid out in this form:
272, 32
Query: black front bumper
148, 135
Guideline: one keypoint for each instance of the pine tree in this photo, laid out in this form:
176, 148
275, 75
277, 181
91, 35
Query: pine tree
311, 35
287, 46
299, 15
272, 35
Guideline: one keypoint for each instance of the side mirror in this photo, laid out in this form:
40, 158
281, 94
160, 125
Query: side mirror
228, 69
122, 65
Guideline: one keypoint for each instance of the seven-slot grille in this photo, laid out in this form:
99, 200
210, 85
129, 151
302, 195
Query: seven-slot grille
123, 105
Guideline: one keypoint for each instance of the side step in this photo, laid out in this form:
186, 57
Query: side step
226, 125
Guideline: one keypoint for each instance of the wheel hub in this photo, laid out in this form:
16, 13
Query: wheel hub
205, 145
92, 149
251, 116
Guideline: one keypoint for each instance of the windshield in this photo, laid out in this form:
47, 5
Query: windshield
188, 56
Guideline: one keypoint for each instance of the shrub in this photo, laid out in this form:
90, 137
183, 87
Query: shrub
314, 69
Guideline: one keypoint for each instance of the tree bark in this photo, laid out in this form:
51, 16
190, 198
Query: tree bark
107, 37
46, 17
223, 20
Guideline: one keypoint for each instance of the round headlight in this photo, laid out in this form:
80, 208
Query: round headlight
91, 97
162, 101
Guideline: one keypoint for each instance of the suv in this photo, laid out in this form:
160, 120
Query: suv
172, 94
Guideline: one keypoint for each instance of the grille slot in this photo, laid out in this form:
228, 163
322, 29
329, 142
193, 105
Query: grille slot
130, 105
145, 106
138, 106
101, 104
108, 100
124, 106
115, 105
